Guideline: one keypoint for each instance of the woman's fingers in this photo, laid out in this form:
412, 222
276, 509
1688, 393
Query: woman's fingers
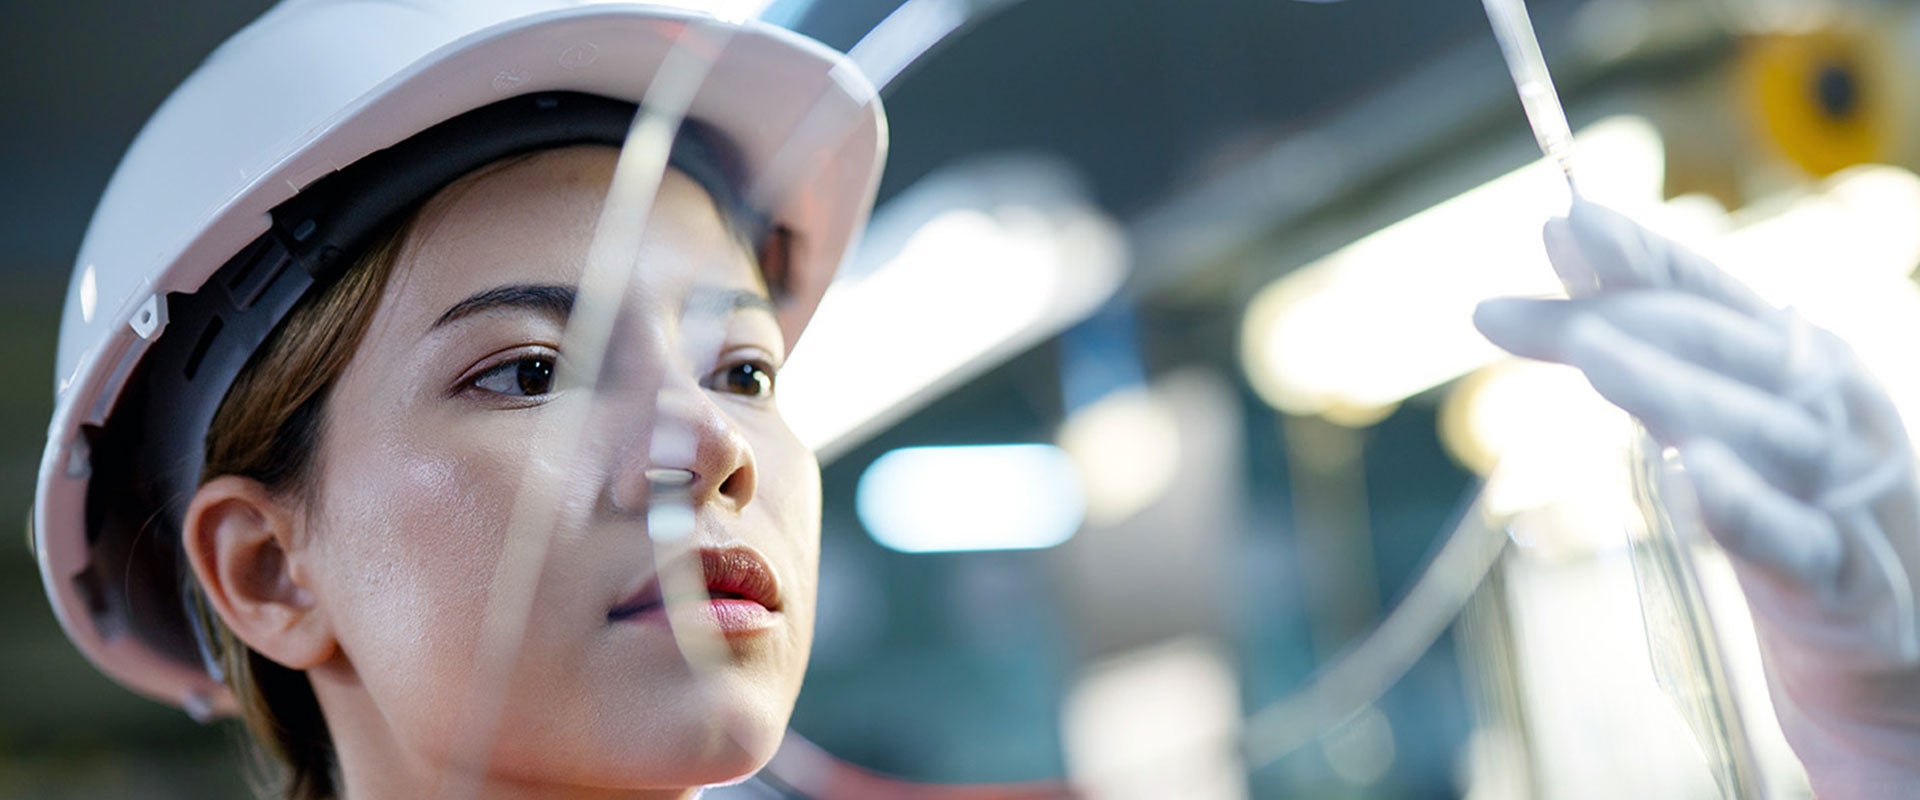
1569, 259
1695, 330
1758, 523
1597, 249
1676, 399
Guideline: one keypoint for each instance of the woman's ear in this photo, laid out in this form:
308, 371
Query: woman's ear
243, 543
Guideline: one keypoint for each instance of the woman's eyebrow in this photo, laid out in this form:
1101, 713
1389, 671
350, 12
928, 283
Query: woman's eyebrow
552, 299
730, 300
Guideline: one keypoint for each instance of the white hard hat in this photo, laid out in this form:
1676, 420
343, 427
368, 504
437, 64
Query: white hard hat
230, 205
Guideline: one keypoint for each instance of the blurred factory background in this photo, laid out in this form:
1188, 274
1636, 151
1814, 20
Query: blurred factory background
1175, 397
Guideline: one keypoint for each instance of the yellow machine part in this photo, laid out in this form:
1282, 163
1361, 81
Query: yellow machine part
1827, 99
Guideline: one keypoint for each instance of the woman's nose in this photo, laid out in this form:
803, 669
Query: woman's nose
694, 450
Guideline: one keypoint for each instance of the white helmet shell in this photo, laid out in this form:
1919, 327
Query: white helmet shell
316, 85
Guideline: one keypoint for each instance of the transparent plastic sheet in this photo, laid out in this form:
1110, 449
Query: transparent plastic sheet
1362, 674
1473, 547
1688, 657
1680, 636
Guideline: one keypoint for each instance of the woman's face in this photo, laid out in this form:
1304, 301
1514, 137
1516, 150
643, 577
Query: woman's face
446, 424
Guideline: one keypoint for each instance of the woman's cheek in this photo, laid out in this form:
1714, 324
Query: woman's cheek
790, 491
414, 531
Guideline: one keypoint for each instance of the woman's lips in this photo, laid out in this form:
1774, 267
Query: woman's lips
741, 594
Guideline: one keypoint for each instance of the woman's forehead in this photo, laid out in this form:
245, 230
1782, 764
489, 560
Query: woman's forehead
532, 220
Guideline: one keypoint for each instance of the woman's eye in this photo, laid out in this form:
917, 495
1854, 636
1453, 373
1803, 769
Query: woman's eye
749, 378
529, 376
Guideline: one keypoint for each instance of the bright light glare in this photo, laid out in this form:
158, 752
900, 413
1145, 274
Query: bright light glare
89, 293
1360, 750
1157, 722
1390, 316
1842, 257
1597, 723
1562, 477
981, 497
1127, 448
967, 288
1542, 423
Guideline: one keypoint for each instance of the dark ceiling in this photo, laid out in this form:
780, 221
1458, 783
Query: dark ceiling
1146, 95
1142, 95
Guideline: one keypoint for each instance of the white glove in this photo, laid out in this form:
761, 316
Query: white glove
1799, 461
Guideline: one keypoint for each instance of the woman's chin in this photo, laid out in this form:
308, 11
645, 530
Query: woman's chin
731, 761
685, 749
746, 745
741, 754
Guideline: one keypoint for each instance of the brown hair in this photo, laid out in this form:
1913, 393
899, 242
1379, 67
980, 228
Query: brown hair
267, 429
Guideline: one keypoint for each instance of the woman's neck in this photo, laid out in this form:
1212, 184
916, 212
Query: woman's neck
376, 764
391, 775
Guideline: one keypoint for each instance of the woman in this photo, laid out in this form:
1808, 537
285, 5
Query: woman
355, 490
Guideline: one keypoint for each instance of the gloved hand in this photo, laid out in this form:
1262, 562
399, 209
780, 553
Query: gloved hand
1800, 464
